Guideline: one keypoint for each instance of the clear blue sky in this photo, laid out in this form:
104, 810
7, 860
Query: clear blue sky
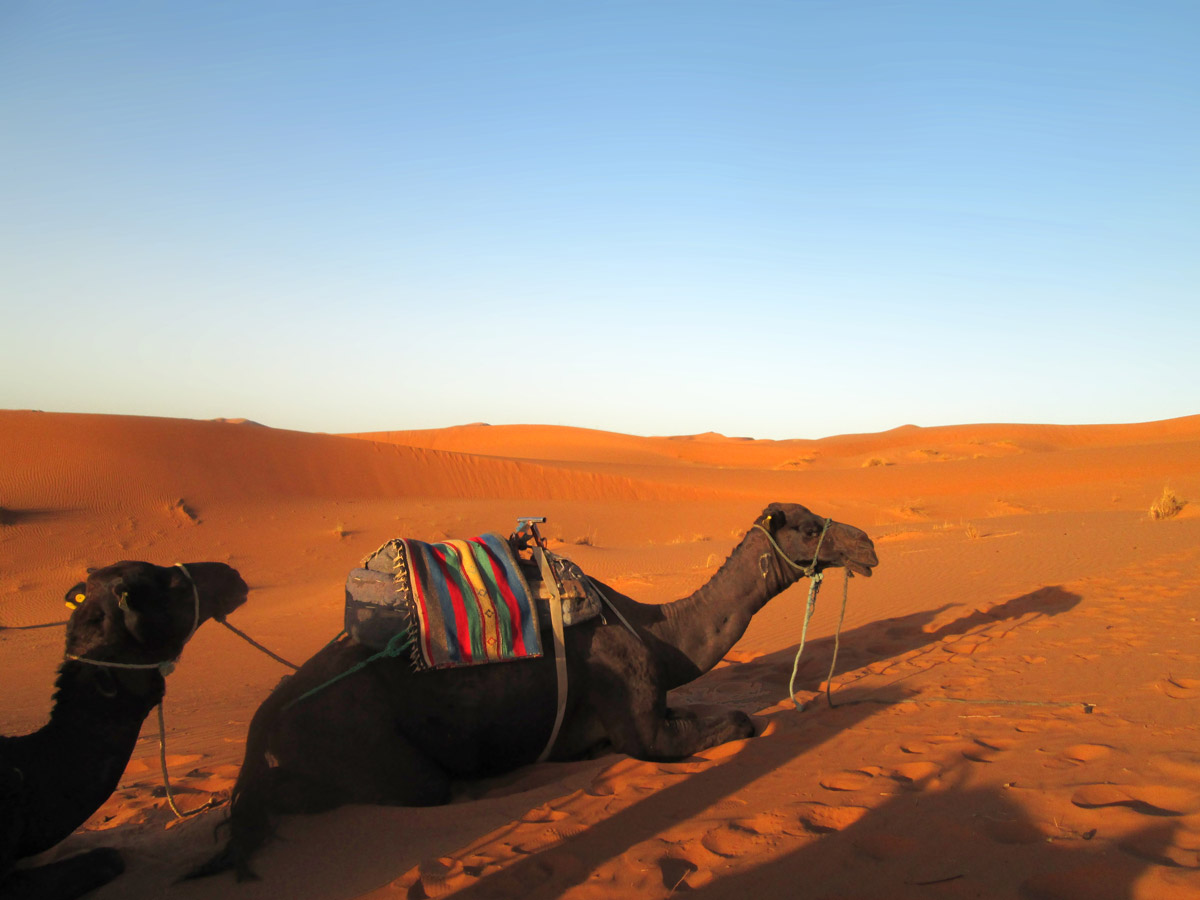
774, 219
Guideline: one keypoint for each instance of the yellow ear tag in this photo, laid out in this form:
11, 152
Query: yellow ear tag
79, 598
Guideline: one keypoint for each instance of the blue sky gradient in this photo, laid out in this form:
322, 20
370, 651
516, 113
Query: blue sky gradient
773, 219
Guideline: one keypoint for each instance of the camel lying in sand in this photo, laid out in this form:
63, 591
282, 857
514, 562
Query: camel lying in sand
128, 620
390, 735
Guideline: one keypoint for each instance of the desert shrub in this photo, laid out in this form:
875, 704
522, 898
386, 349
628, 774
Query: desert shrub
1166, 506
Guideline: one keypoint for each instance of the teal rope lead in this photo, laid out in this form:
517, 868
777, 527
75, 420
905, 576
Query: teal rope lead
398, 643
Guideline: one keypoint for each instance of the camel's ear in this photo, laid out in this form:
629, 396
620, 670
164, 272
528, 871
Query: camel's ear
774, 518
76, 595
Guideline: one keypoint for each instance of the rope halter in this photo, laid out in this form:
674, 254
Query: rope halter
809, 571
814, 585
166, 666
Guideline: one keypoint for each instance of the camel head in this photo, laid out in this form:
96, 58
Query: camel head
136, 612
797, 531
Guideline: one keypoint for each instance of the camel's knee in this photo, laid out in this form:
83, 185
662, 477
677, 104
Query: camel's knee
741, 725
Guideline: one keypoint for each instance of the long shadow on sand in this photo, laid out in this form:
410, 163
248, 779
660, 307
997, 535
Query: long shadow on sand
958, 843
9, 516
551, 871
763, 681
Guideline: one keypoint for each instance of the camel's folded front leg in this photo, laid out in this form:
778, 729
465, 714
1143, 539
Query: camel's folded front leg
626, 690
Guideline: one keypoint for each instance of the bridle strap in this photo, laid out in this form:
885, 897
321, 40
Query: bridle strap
815, 578
807, 571
166, 666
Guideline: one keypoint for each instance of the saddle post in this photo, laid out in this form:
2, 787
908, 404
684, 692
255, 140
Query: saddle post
530, 524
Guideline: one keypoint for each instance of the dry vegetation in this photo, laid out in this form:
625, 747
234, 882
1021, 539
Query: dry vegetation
1167, 505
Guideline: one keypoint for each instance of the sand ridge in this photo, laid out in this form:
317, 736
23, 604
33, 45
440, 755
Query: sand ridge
1017, 687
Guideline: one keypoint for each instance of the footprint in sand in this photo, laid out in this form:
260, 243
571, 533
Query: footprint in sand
768, 823
985, 751
1179, 688
918, 775
819, 818
943, 738
848, 780
628, 774
443, 876
542, 815
1085, 753
1150, 800
1017, 831
966, 646
731, 842
212, 780
531, 839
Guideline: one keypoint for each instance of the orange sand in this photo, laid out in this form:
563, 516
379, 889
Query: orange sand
1021, 584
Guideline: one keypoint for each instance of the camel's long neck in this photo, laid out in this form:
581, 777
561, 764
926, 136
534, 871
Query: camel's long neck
700, 629
71, 765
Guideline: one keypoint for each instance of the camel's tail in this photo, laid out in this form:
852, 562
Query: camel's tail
249, 820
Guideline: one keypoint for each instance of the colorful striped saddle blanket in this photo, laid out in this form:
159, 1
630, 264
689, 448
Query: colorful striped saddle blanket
466, 602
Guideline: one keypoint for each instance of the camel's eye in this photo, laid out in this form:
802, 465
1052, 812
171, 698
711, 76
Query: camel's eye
93, 614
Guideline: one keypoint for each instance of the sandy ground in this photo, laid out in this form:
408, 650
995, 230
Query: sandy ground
1017, 693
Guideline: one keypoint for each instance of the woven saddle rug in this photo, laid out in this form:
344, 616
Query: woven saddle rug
467, 598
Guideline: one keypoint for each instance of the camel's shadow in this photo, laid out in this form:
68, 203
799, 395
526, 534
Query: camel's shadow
763, 681
749, 685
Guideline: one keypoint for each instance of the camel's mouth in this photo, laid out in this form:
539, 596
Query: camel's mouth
236, 597
859, 568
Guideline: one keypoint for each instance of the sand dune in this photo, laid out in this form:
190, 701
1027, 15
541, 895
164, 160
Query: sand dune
1018, 686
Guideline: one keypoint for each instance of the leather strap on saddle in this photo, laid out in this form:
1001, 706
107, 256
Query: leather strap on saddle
560, 655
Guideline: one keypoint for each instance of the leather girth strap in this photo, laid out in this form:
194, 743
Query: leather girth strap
560, 656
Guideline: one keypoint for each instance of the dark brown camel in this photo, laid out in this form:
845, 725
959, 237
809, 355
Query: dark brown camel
51, 781
389, 735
